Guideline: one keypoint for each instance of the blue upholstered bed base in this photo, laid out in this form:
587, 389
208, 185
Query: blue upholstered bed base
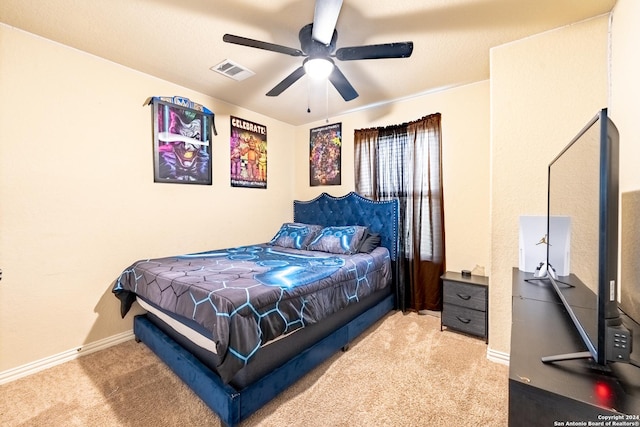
233, 406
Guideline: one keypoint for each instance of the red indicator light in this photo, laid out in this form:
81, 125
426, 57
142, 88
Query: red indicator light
603, 393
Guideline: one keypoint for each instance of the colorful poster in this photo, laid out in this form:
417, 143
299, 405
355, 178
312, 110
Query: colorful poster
248, 154
181, 141
325, 151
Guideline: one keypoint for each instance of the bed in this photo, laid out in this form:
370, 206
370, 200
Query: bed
239, 325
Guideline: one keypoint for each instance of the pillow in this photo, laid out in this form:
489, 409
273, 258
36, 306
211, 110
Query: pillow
339, 240
370, 242
295, 235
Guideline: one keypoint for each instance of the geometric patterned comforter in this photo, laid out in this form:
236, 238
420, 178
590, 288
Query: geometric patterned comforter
244, 297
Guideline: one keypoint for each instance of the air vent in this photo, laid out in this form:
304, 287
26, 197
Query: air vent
232, 70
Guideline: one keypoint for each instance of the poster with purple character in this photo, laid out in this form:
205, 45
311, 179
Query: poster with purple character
182, 132
325, 151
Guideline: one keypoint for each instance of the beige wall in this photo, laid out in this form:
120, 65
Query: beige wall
465, 146
544, 89
625, 89
625, 105
83, 203
77, 199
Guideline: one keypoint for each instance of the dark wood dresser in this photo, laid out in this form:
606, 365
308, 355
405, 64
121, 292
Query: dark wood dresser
567, 393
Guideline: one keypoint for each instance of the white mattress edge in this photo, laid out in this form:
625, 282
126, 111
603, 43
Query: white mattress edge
180, 328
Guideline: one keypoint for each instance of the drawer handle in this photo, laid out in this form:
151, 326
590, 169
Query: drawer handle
463, 320
464, 296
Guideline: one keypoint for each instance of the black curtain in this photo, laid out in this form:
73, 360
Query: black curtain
405, 162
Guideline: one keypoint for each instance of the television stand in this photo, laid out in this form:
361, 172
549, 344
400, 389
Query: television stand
541, 394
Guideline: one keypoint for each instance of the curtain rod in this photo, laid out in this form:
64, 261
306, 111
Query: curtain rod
394, 127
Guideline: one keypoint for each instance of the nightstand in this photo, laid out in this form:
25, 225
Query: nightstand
465, 304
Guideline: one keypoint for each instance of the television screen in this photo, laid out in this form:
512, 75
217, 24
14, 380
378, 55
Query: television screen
583, 191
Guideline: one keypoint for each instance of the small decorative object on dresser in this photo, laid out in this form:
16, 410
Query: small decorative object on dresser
465, 304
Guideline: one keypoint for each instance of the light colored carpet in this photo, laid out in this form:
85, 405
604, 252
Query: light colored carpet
402, 372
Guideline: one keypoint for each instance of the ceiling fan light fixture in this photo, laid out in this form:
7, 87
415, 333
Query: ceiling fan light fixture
318, 68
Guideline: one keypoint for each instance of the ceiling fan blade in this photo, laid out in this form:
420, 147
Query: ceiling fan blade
324, 20
342, 85
288, 81
375, 51
243, 41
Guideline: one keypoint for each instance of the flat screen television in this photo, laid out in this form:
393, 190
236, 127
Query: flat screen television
583, 190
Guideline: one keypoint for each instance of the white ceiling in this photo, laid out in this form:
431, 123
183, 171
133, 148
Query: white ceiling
179, 40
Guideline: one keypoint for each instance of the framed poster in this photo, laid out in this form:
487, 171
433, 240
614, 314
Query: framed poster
181, 141
248, 154
325, 150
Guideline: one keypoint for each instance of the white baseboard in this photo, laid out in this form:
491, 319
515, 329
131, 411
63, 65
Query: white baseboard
498, 356
65, 356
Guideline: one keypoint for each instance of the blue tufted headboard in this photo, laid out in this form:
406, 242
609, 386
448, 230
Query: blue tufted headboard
352, 209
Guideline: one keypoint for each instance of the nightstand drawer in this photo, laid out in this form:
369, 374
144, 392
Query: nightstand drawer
465, 320
465, 295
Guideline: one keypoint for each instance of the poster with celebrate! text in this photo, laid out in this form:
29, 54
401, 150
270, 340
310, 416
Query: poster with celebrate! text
248, 154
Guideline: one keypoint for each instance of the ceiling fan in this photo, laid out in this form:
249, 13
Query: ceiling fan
318, 46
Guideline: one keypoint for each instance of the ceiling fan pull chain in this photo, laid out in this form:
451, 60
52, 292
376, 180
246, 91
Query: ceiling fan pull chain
308, 96
326, 97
